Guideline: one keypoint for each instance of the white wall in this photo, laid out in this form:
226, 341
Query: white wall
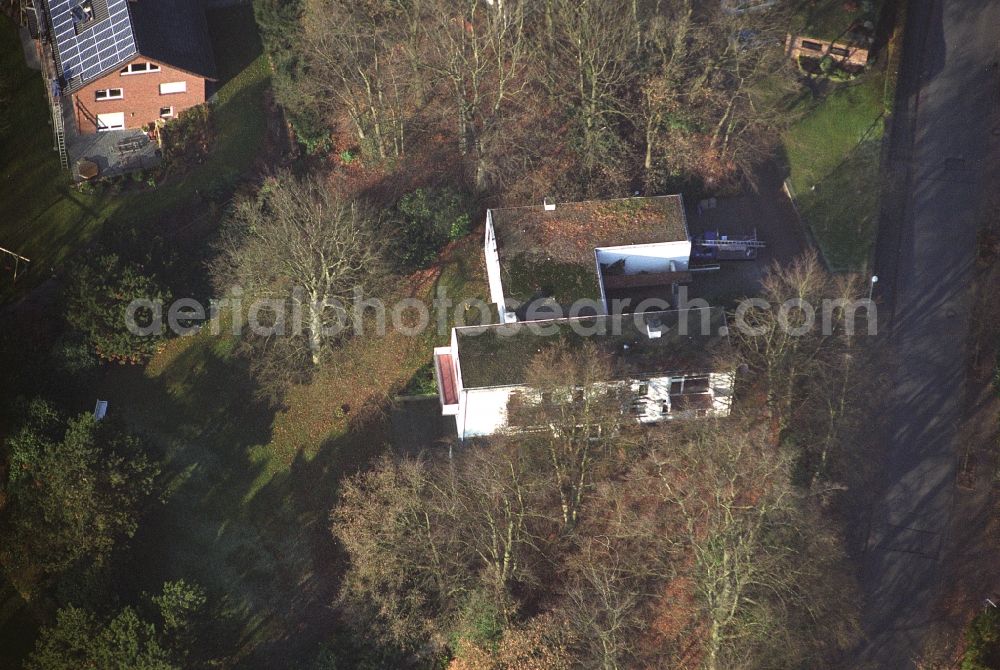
658, 393
482, 411
648, 257
493, 265
722, 387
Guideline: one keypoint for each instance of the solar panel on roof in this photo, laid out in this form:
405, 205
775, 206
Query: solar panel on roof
88, 46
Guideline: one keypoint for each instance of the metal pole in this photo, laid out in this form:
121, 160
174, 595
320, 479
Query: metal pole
871, 286
17, 260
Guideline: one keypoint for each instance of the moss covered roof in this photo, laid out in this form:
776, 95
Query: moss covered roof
553, 251
501, 355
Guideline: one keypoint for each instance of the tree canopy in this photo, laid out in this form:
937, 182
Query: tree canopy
125, 641
304, 251
583, 97
692, 544
98, 294
75, 488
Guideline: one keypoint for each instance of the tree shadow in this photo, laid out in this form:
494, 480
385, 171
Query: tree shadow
18, 625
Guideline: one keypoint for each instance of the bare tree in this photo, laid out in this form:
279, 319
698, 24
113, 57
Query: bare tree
423, 536
296, 245
573, 411
706, 508
812, 354
768, 571
777, 341
713, 91
353, 63
478, 53
594, 67
660, 109
493, 504
606, 592
402, 570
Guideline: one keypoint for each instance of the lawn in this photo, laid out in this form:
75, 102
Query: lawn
833, 158
249, 486
43, 218
193, 401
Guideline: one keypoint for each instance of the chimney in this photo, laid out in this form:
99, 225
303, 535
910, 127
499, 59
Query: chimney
654, 328
550, 204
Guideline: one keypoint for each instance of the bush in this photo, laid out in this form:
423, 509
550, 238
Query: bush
188, 138
982, 651
430, 218
221, 188
324, 660
98, 294
74, 356
480, 621
310, 132
422, 382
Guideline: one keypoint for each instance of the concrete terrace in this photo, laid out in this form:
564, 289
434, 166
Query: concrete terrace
115, 152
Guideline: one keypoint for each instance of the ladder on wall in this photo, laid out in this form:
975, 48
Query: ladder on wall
60, 133
733, 244
58, 125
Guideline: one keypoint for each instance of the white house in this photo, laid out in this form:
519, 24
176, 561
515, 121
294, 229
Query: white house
604, 271
584, 253
677, 364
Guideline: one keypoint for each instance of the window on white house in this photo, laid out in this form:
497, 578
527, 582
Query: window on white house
139, 68
166, 112
173, 87
109, 94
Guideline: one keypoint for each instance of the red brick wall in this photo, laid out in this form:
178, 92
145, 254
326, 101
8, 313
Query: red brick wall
142, 101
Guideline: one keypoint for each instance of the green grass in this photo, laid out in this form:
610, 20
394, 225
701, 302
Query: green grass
248, 487
41, 217
833, 158
526, 274
220, 524
46, 220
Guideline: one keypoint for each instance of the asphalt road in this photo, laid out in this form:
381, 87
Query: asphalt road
943, 151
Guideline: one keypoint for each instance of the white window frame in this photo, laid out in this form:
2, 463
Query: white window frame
169, 115
108, 94
147, 67
172, 87
103, 129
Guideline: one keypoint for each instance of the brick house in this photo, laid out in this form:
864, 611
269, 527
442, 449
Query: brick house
125, 64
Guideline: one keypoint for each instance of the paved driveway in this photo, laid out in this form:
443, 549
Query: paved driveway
941, 147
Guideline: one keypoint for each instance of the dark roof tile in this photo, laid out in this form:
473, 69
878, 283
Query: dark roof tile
175, 33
